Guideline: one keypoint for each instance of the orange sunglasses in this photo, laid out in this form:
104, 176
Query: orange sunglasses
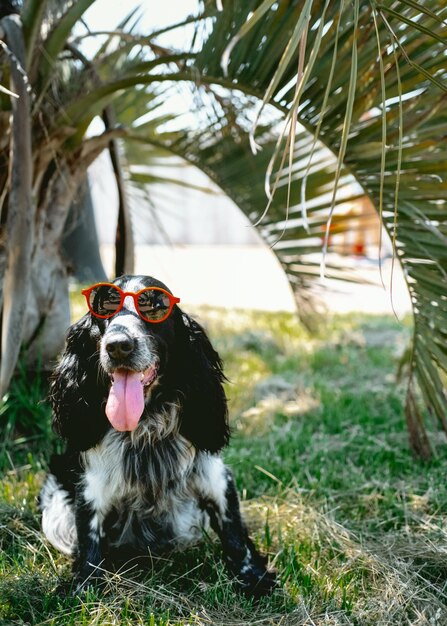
153, 304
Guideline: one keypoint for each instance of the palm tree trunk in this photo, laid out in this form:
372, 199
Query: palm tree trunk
19, 224
48, 311
80, 244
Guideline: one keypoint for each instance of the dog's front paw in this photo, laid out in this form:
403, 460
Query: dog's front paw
255, 581
89, 577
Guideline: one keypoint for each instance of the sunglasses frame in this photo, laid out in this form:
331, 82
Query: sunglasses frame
173, 300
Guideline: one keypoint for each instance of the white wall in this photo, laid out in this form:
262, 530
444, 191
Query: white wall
174, 214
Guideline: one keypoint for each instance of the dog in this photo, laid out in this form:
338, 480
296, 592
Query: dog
138, 398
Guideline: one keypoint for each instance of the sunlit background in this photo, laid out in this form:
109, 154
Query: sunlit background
195, 239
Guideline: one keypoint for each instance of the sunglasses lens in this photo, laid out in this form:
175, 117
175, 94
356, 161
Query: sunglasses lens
105, 300
153, 304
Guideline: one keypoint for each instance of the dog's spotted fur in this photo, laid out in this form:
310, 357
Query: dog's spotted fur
115, 495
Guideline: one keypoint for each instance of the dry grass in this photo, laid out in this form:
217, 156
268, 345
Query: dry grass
355, 527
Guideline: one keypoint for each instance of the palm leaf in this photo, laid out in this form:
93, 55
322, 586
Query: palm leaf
32, 15
414, 81
56, 40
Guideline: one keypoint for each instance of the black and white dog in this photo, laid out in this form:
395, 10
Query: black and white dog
144, 415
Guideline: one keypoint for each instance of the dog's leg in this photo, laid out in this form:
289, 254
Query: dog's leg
88, 564
242, 558
58, 519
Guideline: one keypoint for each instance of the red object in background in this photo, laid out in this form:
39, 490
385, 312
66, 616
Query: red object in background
358, 249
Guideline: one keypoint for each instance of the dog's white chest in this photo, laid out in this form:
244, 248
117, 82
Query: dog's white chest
104, 477
110, 483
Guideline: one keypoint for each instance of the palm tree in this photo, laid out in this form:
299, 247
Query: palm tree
370, 87
366, 82
50, 94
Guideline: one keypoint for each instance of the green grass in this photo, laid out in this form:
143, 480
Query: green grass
354, 525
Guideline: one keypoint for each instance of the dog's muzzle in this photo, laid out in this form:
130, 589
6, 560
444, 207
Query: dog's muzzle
132, 370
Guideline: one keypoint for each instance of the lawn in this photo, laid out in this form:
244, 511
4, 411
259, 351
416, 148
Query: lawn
354, 525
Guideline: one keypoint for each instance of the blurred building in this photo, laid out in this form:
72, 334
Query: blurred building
197, 241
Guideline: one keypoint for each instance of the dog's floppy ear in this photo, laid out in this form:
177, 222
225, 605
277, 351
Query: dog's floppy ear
204, 413
78, 390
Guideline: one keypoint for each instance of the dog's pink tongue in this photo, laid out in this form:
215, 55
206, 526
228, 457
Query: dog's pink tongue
125, 404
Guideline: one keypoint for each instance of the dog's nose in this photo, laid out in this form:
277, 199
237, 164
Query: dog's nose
119, 347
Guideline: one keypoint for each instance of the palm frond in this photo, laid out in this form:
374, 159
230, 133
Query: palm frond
406, 84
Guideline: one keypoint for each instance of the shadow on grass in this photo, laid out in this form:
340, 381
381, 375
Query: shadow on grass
353, 524
190, 587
